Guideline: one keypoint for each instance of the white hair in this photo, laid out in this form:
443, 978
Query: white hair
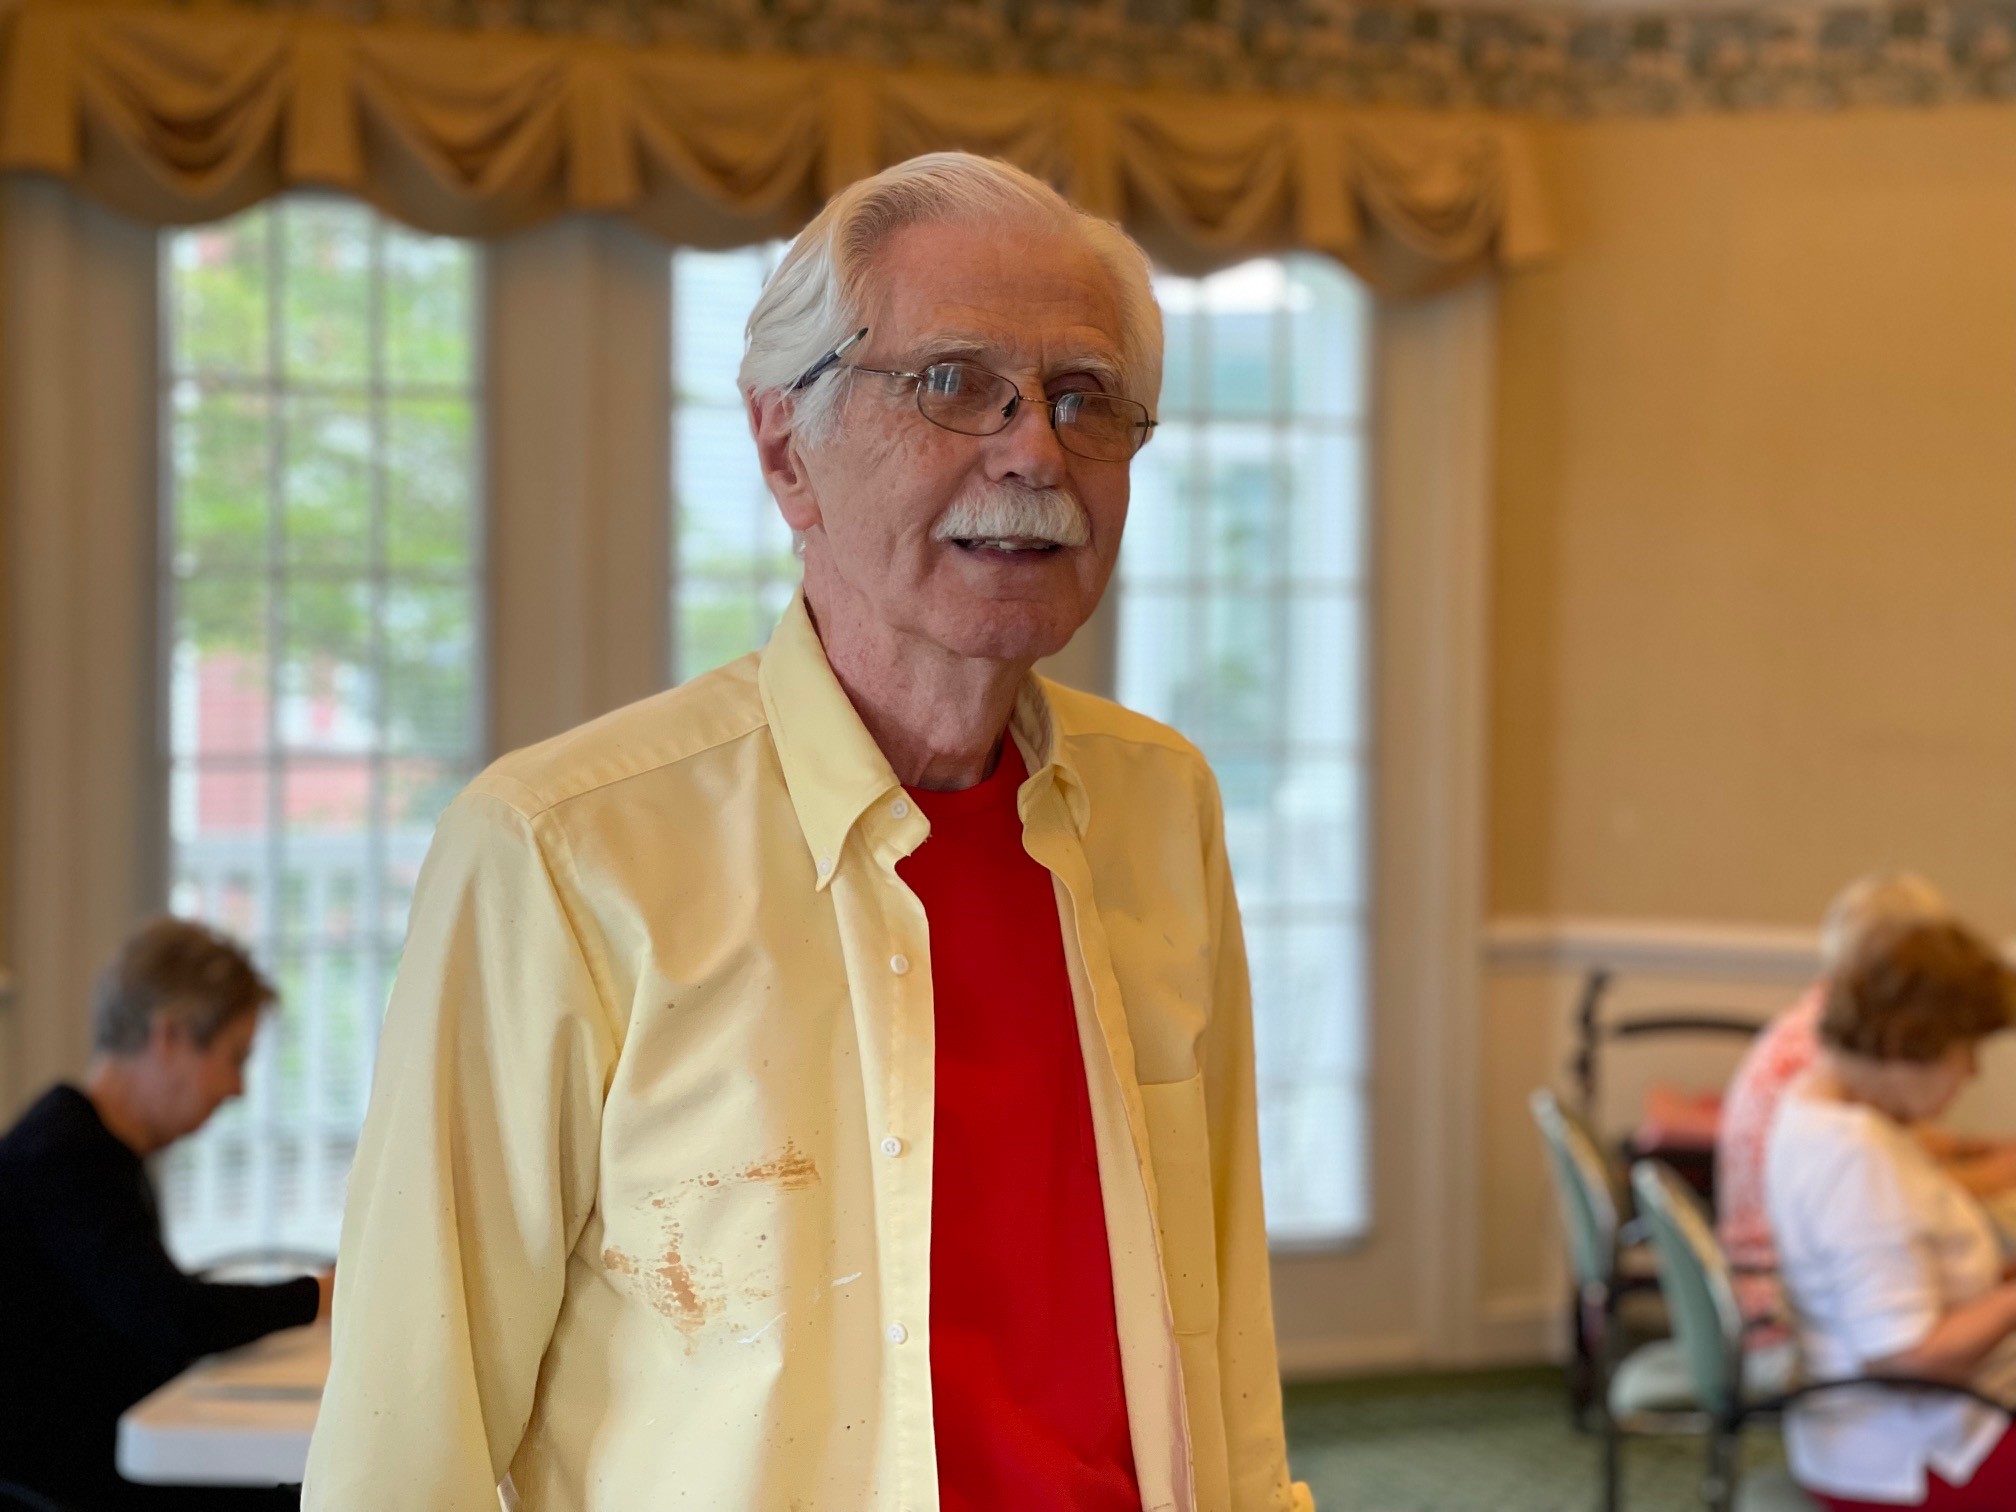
814, 299
1881, 898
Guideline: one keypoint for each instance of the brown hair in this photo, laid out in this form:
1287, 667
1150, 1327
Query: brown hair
202, 978
1912, 990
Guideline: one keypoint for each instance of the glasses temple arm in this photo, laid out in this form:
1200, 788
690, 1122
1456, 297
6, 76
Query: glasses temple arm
828, 360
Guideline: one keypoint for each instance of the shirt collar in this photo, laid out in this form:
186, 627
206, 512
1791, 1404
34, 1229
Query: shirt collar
833, 769
1045, 739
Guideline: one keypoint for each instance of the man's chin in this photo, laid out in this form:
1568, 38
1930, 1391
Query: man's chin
996, 630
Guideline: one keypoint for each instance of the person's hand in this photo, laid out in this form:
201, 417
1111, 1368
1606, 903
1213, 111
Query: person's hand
1999, 1162
1987, 1175
325, 1284
1948, 1148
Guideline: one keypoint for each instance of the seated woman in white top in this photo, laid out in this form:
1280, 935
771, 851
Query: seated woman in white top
1891, 1269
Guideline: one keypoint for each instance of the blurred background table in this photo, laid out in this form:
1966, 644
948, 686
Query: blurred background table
238, 1419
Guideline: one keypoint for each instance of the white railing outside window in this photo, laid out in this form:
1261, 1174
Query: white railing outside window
320, 561
1242, 618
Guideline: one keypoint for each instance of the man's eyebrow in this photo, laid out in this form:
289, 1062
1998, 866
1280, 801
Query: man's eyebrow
943, 346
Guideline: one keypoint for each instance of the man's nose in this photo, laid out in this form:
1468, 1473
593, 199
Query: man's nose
1028, 449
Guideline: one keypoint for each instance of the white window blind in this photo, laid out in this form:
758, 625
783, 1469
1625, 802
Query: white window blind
1242, 623
320, 568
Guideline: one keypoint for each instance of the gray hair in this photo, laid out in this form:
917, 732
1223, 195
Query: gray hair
813, 301
187, 971
1872, 902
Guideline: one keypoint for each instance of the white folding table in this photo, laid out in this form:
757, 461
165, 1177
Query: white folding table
237, 1419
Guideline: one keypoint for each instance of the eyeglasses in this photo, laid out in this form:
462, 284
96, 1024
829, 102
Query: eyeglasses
976, 401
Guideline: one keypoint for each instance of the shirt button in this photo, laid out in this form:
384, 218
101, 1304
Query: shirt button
891, 1145
899, 964
900, 809
825, 866
898, 1333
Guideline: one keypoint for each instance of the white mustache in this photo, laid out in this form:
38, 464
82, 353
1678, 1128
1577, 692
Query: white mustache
1005, 512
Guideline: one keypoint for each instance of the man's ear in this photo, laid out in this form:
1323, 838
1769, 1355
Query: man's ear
781, 458
165, 1033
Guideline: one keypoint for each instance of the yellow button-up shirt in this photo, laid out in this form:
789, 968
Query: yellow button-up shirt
641, 1216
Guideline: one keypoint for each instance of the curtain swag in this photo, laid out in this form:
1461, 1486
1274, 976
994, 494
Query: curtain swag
181, 115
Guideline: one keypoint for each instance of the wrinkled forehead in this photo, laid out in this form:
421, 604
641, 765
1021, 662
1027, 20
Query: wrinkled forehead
1024, 299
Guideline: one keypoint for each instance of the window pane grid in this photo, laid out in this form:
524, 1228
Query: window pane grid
223, 384
733, 566
320, 587
1242, 610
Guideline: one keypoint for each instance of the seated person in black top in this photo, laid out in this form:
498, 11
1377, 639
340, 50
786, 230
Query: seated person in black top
94, 1315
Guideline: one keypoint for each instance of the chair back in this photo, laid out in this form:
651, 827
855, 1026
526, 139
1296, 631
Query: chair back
1694, 1275
1584, 1188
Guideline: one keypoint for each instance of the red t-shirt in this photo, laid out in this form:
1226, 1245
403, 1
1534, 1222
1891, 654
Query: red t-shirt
1025, 1355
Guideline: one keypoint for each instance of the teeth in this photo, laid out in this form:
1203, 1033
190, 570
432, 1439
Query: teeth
998, 543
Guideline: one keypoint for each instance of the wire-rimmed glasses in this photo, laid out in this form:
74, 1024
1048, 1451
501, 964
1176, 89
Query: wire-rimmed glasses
976, 401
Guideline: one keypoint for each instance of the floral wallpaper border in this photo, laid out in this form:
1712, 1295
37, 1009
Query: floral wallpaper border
1547, 59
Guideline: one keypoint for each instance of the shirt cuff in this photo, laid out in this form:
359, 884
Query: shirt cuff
1884, 1335
309, 1292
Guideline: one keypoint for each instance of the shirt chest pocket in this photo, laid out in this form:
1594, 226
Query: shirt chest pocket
1179, 1144
1165, 985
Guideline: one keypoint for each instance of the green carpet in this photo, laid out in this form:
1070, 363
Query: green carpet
1499, 1441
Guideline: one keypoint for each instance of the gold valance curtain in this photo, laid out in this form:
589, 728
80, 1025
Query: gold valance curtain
185, 114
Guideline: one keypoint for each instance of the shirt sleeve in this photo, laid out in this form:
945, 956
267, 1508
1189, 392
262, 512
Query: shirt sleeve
1884, 1277
1249, 1371
98, 1229
474, 1176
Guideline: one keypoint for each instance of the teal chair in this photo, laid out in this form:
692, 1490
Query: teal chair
1640, 1385
1728, 1383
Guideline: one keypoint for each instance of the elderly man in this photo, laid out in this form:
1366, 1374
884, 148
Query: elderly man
828, 1085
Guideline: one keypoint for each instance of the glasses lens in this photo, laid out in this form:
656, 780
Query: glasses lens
962, 397
1103, 427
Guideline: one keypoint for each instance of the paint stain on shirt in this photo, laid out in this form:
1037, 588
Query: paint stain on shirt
689, 1291
680, 1293
792, 1170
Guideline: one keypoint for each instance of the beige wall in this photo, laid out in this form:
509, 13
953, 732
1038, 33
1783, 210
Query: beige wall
1754, 627
1755, 619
